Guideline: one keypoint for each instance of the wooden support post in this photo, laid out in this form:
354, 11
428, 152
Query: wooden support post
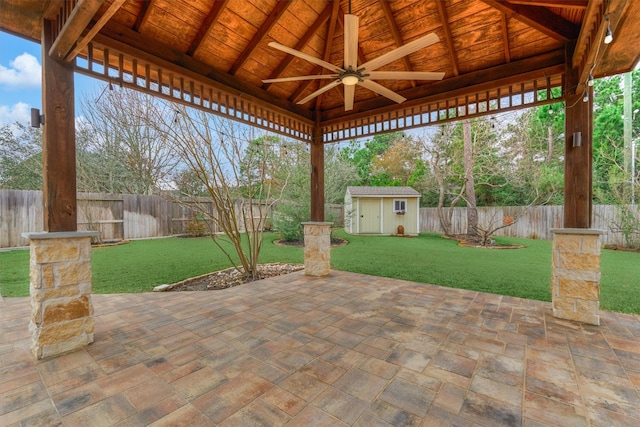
58, 139
317, 177
578, 176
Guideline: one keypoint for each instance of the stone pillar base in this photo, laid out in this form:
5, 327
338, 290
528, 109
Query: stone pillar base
60, 276
317, 248
575, 278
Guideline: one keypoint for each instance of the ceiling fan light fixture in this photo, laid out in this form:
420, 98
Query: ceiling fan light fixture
350, 80
608, 37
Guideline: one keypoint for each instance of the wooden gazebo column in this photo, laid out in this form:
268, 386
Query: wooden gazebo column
60, 267
575, 281
317, 232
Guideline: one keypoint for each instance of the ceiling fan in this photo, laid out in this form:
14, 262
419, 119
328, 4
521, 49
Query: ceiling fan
365, 74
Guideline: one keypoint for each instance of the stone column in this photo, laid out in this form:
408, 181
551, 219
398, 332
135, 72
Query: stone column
317, 248
60, 276
575, 278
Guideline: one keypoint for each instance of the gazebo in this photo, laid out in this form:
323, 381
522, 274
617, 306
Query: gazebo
484, 57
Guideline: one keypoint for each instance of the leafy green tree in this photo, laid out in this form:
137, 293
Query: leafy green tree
20, 157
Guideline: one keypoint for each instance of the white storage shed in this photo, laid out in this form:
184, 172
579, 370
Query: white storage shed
381, 210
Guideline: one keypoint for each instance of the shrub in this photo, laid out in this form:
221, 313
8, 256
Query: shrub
196, 227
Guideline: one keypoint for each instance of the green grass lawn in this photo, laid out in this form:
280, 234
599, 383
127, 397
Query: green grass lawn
140, 265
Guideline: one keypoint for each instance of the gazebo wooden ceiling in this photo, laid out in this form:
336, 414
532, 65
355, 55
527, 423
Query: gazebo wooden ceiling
214, 54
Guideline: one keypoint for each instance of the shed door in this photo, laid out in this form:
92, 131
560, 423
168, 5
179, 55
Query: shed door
369, 216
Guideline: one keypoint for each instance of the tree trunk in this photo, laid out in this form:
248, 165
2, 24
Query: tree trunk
445, 220
549, 144
470, 191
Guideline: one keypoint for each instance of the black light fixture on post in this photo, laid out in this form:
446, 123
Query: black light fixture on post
576, 140
37, 119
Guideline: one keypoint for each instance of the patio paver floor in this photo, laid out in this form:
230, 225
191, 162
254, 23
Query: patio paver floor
347, 349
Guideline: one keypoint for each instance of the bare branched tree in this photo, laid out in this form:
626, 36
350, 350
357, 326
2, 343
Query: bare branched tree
121, 150
234, 169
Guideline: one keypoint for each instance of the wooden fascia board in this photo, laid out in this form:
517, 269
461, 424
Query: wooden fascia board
590, 49
540, 18
131, 43
73, 27
262, 32
547, 64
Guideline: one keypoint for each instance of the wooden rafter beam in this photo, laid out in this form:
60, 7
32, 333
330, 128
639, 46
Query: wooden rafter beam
525, 69
206, 27
50, 9
84, 41
388, 13
127, 41
444, 18
505, 37
540, 18
563, 4
143, 15
331, 31
262, 32
74, 26
302, 42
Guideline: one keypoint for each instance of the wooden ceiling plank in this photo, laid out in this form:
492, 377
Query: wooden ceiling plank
444, 18
540, 18
302, 42
77, 22
259, 36
388, 13
82, 43
143, 15
505, 37
207, 26
127, 41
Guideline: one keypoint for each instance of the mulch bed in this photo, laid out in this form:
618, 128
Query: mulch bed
231, 277
463, 240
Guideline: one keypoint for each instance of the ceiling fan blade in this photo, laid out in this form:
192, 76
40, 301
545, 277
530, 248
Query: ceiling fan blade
300, 78
387, 93
404, 75
319, 91
306, 57
398, 53
351, 23
349, 95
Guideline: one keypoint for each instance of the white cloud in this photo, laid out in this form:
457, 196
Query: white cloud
19, 112
24, 71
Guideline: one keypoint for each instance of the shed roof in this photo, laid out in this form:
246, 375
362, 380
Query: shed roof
383, 191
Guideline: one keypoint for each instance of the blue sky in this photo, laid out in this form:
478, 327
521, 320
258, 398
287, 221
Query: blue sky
21, 80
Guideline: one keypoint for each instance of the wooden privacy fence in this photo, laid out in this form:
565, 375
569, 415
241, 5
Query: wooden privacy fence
116, 216
533, 222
